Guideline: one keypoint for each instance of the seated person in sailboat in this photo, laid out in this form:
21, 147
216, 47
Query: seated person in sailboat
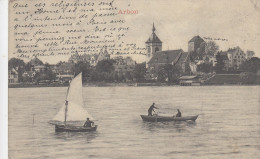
178, 114
88, 123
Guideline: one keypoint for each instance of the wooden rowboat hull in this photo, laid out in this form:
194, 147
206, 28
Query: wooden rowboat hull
62, 128
168, 118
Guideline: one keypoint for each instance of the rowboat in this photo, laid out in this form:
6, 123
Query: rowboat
72, 115
157, 118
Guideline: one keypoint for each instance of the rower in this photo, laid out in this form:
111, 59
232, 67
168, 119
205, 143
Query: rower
151, 109
178, 114
88, 123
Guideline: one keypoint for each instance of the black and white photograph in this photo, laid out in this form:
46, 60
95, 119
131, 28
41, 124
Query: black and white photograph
133, 79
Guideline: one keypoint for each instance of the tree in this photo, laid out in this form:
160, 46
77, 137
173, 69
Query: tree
60, 63
162, 74
49, 75
17, 64
252, 65
105, 71
173, 72
139, 72
211, 48
28, 67
46, 75
128, 76
105, 66
168, 72
83, 67
193, 56
14, 62
220, 63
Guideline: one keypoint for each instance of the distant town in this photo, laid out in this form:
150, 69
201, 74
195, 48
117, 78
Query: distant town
203, 64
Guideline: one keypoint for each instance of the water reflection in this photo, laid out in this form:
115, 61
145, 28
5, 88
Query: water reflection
83, 136
178, 126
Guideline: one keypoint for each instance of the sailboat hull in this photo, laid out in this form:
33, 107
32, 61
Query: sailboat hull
62, 128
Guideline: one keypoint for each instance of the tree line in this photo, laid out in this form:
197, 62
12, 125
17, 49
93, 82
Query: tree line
104, 71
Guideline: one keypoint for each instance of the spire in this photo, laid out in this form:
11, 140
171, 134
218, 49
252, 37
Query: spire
153, 28
153, 38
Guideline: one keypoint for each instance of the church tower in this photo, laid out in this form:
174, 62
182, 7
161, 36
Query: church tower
153, 44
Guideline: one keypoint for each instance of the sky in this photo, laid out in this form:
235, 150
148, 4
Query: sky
177, 21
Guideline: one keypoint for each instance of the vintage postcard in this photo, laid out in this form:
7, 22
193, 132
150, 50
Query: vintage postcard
148, 79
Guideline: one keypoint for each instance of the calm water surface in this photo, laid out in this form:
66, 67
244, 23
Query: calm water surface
228, 125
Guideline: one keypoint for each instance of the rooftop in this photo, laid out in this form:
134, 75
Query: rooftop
166, 56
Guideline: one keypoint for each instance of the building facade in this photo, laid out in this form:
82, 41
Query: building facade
196, 44
236, 57
103, 55
177, 58
12, 76
39, 68
75, 58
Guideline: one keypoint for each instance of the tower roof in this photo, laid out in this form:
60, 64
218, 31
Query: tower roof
196, 38
153, 38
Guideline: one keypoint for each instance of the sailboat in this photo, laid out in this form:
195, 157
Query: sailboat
72, 115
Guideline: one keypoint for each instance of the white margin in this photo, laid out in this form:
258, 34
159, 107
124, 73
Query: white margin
4, 79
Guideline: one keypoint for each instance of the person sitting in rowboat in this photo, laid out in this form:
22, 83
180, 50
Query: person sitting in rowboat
178, 114
151, 109
88, 123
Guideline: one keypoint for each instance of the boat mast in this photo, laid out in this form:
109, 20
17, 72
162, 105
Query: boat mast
66, 109
66, 106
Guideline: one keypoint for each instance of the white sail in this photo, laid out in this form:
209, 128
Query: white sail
75, 110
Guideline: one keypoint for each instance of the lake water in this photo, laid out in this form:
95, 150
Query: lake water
228, 125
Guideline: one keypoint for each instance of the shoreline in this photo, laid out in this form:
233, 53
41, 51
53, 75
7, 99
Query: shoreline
103, 84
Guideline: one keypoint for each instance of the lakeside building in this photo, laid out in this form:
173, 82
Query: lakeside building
103, 55
196, 50
75, 58
29, 75
236, 57
63, 77
62, 68
12, 76
39, 68
177, 58
174, 57
92, 59
156, 57
196, 44
63, 71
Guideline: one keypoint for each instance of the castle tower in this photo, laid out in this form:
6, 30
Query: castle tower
153, 44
